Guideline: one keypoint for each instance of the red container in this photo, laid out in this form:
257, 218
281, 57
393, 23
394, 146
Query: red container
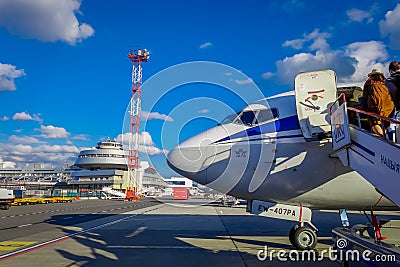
181, 193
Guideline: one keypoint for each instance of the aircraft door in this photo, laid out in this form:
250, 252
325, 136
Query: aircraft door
315, 93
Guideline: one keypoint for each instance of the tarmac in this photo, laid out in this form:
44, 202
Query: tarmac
166, 234
151, 233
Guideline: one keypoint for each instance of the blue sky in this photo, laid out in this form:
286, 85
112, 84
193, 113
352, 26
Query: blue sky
65, 76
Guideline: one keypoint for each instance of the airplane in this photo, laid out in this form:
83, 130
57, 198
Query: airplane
279, 150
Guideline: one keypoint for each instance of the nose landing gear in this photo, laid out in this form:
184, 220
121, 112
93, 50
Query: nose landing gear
300, 236
303, 237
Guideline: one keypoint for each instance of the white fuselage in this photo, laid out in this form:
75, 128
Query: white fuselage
270, 160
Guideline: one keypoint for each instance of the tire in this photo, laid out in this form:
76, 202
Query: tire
305, 238
291, 234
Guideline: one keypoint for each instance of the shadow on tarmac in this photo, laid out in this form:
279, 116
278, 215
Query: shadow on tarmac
191, 240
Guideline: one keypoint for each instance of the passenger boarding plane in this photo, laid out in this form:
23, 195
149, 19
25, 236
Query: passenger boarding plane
279, 150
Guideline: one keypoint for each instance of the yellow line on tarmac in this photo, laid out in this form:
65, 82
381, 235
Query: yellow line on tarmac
12, 245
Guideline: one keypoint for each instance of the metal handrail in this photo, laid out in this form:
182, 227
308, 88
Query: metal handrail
337, 99
359, 111
381, 118
374, 115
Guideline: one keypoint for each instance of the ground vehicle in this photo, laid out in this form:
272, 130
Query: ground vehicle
6, 198
181, 193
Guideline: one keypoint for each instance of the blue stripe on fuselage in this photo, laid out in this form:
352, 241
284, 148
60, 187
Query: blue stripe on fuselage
284, 124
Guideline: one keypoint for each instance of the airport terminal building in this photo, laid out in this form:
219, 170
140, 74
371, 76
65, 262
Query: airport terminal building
103, 166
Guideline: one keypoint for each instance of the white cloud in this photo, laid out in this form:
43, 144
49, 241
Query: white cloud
351, 63
296, 43
24, 140
152, 150
53, 132
268, 75
359, 15
146, 115
144, 138
20, 154
83, 137
7, 75
368, 55
318, 40
290, 66
243, 82
36, 117
46, 20
146, 144
390, 26
203, 111
5, 118
205, 45
23, 116
55, 149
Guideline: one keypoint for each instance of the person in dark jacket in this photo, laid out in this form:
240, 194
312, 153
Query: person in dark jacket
378, 100
393, 83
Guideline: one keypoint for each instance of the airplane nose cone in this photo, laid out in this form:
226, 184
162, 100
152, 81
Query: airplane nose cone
199, 158
188, 162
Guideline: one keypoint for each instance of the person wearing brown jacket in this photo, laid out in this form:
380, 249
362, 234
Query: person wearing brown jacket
378, 100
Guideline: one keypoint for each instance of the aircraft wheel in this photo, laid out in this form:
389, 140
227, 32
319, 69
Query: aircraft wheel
304, 238
291, 234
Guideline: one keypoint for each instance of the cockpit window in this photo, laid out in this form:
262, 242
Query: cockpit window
230, 118
257, 116
267, 114
247, 118
252, 117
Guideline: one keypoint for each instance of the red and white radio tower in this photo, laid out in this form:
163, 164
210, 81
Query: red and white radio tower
133, 186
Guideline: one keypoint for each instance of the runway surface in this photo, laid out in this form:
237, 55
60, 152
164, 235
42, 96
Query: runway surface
148, 233
22, 221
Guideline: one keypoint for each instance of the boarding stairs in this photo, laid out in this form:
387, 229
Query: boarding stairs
111, 193
376, 158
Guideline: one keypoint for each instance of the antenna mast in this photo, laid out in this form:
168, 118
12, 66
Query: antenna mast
134, 186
